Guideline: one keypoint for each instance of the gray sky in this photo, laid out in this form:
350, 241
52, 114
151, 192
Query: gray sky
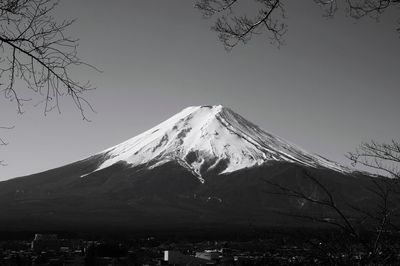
334, 84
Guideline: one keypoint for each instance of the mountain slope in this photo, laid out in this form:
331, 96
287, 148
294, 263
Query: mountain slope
204, 138
121, 198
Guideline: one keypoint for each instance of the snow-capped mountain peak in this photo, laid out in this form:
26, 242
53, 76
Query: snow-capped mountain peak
206, 138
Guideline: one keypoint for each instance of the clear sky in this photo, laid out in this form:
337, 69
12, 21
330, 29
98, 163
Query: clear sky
334, 84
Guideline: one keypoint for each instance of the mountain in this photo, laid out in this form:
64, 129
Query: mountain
204, 167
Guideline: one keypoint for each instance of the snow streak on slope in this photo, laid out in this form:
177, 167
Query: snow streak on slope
204, 138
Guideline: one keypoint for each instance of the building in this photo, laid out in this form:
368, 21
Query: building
210, 255
172, 257
45, 242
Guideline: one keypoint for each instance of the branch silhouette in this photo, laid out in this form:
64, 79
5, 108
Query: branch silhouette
234, 25
37, 58
36, 51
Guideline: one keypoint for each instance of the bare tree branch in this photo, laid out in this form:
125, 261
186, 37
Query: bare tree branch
327, 201
234, 29
379, 218
382, 157
36, 51
234, 25
37, 57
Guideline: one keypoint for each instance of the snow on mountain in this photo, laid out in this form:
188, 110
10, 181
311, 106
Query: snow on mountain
203, 138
